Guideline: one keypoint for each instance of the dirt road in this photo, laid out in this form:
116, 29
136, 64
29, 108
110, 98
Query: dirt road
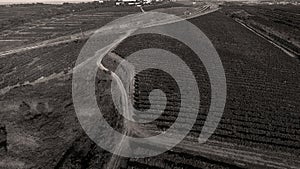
273, 43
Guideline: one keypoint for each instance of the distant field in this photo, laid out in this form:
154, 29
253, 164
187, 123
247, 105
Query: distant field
65, 20
27, 24
14, 15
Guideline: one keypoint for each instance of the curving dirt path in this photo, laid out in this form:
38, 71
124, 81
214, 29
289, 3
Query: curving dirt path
115, 159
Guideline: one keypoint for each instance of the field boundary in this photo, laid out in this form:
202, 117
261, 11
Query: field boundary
286, 50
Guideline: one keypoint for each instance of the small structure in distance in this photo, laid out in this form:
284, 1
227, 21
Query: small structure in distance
133, 2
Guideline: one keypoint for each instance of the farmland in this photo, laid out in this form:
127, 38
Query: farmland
61, 21
36, 87
262, 103
39, 128
278, 23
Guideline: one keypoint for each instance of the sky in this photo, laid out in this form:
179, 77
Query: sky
45, 1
